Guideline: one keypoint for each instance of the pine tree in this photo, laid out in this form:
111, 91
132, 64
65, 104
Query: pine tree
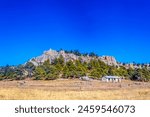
40, 73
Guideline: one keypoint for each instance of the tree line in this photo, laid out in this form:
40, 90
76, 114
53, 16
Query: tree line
95, 69
78, 53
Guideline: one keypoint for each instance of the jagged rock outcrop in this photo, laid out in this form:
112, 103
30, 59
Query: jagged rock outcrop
52, 55
109, 60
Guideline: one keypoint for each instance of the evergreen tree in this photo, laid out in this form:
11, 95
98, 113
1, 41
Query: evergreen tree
30, 69
40, 73
92, 54
122, 71
95, 74
53, 74
80, 69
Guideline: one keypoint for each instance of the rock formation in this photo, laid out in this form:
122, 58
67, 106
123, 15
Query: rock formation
52, 55
109, 60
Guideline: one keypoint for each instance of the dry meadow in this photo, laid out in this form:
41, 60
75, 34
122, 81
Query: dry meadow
73, 89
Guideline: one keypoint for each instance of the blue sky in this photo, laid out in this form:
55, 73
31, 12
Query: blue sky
120, 28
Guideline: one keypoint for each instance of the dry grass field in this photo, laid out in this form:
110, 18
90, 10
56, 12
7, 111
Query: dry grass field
73, 89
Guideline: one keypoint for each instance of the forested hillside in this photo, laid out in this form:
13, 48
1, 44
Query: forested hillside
60, 68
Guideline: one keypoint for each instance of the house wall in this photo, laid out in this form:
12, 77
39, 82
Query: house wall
111, 79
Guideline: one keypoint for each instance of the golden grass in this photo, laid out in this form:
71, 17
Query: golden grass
74, 90
37, 94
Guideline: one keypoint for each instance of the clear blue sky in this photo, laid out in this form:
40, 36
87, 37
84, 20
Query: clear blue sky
120, 28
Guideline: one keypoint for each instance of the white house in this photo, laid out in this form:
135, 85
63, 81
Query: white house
111, 79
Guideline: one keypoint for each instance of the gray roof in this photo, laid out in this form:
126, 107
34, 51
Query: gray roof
117, 77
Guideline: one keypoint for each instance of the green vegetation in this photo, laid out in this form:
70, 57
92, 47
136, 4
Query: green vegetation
12, 72
95, 69
78, 53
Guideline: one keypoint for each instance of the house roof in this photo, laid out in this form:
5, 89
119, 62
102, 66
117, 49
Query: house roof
112, 77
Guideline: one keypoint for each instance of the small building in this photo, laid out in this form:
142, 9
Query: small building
111, 79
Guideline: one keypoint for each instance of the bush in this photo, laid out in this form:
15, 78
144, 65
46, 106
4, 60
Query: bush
51, 77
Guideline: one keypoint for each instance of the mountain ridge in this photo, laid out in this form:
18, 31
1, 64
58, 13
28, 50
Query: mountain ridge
54, 64
69, 55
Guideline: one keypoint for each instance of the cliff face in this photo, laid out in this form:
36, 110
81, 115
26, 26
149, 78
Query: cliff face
109, 60
52, 54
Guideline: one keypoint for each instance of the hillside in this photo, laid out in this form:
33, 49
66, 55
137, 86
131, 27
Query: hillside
84, 57
54, 64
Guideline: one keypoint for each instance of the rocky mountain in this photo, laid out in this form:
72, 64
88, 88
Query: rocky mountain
95, 69
109, 60
53, 54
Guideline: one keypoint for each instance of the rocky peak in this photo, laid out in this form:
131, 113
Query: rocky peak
53, 54
50, 52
